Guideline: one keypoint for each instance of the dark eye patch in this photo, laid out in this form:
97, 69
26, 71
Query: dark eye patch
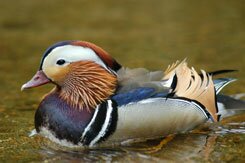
60, 62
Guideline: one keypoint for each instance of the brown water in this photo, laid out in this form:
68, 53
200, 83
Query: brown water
151, 34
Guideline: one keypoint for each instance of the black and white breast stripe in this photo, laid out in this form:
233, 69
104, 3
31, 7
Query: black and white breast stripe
102, 124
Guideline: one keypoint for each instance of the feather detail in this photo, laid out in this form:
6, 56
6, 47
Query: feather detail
129, 79
87, 85
191, 85
170, 71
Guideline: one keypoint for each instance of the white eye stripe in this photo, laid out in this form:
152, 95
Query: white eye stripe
72, 53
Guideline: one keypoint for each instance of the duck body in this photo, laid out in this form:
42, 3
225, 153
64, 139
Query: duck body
135, 121
152, 118
96, 101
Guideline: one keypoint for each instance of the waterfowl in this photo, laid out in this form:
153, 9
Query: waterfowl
97, 101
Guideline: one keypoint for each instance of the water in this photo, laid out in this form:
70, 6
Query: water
151, 34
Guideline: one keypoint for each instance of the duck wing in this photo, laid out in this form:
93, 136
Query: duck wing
130, 79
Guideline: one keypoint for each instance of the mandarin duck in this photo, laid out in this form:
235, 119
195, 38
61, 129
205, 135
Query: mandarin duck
96, 101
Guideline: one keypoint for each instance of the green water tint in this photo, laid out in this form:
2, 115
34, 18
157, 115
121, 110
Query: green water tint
149, 34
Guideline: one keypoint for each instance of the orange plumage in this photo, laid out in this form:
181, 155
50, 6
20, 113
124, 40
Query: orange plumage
87, 84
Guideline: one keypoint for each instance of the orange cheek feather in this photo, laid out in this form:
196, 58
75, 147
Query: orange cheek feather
87, 84
57, 74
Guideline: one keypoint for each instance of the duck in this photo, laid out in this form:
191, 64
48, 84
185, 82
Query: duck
96, 101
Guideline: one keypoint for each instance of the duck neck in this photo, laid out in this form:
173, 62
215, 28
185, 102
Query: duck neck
87, 85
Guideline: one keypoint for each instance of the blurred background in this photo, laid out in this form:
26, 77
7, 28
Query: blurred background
151, 34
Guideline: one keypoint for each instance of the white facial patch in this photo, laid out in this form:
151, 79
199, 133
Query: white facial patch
71, 53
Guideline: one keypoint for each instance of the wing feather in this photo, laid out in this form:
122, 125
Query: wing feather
193, 86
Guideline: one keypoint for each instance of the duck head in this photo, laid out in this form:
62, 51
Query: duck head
84, 74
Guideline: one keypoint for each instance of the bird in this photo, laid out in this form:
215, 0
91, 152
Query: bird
96, 101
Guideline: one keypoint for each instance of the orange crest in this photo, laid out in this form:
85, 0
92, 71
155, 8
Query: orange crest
103, 55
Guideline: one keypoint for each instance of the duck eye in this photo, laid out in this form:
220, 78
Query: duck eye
60, 62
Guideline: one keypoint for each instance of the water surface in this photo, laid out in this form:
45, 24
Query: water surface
151, 34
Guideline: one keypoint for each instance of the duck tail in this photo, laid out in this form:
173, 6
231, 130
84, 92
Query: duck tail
218, 72
231, 105
220, 83
228, 105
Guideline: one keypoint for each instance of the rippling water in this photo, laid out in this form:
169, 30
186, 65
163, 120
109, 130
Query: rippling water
151, 34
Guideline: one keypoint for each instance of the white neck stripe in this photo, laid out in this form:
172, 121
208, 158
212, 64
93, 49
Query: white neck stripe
105, 125
90, 123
